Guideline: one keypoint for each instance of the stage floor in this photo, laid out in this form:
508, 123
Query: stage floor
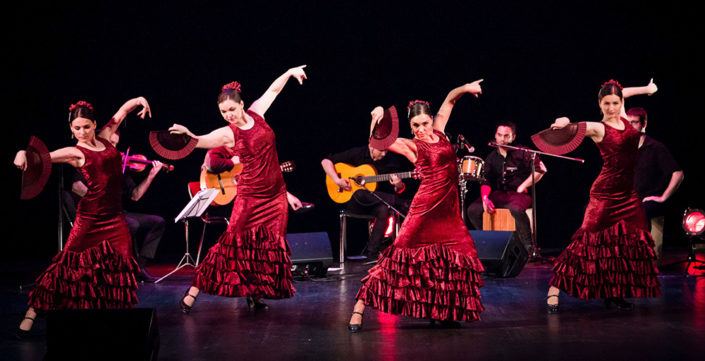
312, 325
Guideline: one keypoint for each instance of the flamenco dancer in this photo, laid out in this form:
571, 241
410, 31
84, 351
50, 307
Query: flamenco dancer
96, 268
251, 258
432, 269
611, 255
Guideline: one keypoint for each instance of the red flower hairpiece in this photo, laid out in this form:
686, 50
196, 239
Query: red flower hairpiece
79, 104
612, 81
232, 86
414, 102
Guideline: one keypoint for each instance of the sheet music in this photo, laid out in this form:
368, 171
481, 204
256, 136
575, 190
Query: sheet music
198, 204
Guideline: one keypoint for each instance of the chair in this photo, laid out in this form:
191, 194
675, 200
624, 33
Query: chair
344, 215
207, 217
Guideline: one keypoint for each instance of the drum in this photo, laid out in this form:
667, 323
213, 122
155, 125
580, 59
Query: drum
472, 167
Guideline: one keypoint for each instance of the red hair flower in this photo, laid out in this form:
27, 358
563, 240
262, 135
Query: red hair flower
235, 86
414, 102
79, 104
614, 82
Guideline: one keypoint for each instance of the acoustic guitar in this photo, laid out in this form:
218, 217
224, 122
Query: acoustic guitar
361, 177
227, 184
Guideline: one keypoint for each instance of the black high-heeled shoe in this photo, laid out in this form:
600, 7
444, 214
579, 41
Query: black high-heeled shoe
551, 309
619, 302
356, 327
253, 305
184, 307
22, 334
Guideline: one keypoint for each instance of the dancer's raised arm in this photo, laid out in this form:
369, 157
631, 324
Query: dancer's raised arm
261, 105
120, 115
648, 89
447, 107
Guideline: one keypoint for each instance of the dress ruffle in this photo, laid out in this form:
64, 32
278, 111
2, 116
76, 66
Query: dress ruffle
435, 282
97, 277
618, 261
255, 262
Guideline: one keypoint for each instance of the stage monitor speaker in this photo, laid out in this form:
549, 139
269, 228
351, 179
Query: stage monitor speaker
311, 252
105, 334
501, 252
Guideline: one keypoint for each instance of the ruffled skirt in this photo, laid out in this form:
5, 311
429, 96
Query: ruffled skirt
255, 262
436, 282
97, 277
618, 261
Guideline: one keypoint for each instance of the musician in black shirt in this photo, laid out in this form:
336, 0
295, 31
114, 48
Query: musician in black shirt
656, 176
362, 201
507, 177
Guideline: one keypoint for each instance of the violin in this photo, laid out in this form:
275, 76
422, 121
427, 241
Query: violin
138, 162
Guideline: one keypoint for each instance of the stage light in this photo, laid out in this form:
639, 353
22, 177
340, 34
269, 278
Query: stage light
693, 222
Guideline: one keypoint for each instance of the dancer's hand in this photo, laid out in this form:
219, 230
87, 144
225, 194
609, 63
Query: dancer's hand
146, 110
180, 129
21, 160
651, 88
560, 123
298, 73
474, 88
294, 202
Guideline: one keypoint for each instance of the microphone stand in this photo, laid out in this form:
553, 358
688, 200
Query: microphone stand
535, 251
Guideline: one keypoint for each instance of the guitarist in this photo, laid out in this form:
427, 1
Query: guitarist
362, 201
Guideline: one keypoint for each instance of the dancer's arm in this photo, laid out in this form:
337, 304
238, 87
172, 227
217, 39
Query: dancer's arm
403, 146
294, 202
261, 105
627, 92
120, 115
70, 155
220, 137
447, 107
594, 130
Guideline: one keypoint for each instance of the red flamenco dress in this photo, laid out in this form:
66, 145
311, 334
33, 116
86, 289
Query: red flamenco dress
96, 267
252, 257
611, 254
432, 269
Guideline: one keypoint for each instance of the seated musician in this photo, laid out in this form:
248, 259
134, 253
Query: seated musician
363, 201
507, 178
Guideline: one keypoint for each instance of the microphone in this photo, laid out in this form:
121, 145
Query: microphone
462, 141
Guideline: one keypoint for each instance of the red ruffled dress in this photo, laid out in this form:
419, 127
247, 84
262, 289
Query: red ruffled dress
96, 267
432, 269
252, 257
611, 254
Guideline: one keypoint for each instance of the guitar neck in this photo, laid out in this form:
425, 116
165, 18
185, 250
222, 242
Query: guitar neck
386, 177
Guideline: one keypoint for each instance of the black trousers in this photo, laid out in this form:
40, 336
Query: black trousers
146, 231
364, 202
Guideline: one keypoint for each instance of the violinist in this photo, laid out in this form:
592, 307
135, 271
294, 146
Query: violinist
146, 229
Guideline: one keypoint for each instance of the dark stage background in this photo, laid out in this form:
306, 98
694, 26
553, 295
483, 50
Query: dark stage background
540, 60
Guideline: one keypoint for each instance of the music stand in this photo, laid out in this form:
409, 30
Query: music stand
194, 209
